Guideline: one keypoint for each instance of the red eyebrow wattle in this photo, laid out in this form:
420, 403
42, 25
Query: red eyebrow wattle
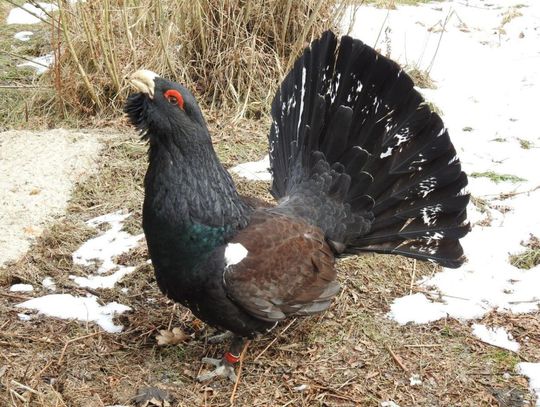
174, 93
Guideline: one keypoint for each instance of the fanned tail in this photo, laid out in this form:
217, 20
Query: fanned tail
356, 150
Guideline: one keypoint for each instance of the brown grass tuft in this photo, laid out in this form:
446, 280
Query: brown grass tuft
230, 53
529, 258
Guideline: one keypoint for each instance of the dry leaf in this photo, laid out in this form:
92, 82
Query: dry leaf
173, 337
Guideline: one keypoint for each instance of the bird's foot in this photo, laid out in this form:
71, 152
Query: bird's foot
220, 338
224, 368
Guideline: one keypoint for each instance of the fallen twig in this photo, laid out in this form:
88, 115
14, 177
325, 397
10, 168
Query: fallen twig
413, 277
275, 339
16, 383
397, 359
71, 341
16, 296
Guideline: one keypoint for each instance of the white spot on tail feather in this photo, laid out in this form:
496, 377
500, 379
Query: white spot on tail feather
453, 160
435, 237
387, 153
302, 93
234, 254
427, 186
429, 214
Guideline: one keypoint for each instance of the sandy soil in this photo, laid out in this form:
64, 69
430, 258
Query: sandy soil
37, 172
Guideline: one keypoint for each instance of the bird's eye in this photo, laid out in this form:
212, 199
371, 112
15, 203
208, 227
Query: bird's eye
174, 97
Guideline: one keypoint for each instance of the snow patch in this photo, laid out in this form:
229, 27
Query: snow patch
102, 250
416, 308
487, 124
23, 35
30, 14
109, 281
40, 64
85, 309
21, 288
495, 336
48, 283
532, 371
234, 254
254, 170
415, 380
24, 317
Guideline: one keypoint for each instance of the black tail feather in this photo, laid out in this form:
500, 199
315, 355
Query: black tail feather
356, 150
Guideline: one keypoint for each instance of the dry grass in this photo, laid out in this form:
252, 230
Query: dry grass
530, 257
392, 4
420, 77
17, 84
351, 355
231, 53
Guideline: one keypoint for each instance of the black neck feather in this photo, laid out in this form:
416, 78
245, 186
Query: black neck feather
191, 204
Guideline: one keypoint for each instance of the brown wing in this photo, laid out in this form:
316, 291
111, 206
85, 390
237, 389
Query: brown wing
288, 269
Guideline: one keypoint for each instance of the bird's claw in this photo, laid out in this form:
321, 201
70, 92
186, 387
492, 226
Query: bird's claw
223, 368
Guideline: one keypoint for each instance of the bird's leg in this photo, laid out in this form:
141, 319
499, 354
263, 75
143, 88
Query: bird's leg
219, 338
225, 365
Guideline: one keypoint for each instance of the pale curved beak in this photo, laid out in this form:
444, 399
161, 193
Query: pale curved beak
143, 81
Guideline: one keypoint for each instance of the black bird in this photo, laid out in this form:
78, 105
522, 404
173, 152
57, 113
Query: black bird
359, 162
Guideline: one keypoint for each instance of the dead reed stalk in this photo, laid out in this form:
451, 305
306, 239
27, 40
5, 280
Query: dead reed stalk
231, 53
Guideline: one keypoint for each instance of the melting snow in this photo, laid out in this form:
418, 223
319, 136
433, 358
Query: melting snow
95, 281
495, 336
416, 308
415, 380
23, 35
532, 371
24, 317
478, 108
254, 170
40, 64
102, 250
21, 288
85, 309
490, 108
28, 13
48, 283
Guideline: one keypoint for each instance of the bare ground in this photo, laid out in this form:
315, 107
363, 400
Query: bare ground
349, 356
37, 172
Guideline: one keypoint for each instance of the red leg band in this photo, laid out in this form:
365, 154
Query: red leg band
229, 357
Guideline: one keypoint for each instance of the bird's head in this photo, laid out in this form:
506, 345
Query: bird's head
163, 108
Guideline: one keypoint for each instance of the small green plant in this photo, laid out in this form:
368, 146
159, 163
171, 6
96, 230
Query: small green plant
448, 332
495, 177
504, 359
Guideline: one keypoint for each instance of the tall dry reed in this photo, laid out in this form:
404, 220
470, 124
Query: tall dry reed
231, 53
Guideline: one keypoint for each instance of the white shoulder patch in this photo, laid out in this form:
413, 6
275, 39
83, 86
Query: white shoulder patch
234, 254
